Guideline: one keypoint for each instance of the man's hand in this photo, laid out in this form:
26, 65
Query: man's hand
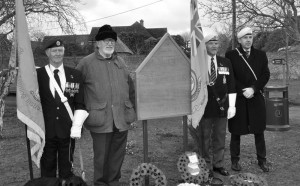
231, 112
248, 92
75, 132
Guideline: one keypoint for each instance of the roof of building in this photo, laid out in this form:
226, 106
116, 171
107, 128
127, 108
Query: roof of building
137, 27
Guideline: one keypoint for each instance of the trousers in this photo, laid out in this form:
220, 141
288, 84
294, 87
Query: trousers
260, 145
57, 151
109, 152
213, 133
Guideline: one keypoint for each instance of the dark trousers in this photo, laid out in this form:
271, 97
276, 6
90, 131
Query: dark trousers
109, 152
259, 144
59, 152
213, 133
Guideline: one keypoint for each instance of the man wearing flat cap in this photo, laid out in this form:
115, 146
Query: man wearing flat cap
110, 100
219, 108
59, 147
251, 72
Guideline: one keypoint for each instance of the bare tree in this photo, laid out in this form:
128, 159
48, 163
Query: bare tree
52, 14
186, 37
266, 14
37, 35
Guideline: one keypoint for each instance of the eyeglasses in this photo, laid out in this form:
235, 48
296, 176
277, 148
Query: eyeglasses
109, 41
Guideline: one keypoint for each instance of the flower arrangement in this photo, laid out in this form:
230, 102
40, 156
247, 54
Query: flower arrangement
147, 169
201, 177
247, 179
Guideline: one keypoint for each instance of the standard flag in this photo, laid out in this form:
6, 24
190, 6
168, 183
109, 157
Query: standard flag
199, 71
29, 108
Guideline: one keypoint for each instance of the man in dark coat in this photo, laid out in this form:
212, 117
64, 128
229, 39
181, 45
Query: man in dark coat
220, 106
59, 145
250, 67
109, 96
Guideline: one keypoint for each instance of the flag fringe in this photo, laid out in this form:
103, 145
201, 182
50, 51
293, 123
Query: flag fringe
38, 137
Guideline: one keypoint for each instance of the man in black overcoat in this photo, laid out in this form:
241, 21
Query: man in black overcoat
59, 147
220, 106
250, 67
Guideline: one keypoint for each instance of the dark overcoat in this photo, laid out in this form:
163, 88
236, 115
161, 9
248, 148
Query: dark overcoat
57, 120
223, 86
250, 115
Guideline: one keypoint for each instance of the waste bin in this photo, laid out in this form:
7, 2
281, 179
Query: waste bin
277, 108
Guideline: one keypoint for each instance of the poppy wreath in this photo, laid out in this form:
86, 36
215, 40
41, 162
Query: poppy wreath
147, 169
202, 177
247, 179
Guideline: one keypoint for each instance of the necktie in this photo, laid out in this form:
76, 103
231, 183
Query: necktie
247, 53
57, 98
213, 76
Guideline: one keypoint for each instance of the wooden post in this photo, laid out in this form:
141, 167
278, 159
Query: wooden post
286, 74
185, 133
29, 154
145, 148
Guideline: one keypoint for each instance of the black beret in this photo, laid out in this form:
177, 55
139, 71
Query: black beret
105, 32
53, 43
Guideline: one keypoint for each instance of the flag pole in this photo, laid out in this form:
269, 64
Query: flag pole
185, 133
29, 154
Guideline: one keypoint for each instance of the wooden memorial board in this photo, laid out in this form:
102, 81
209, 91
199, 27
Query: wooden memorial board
163, 82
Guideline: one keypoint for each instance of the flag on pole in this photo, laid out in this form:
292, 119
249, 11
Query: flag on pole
29, 108
199, 70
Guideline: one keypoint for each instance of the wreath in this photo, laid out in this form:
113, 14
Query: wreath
147, 169
202, 177
247, 179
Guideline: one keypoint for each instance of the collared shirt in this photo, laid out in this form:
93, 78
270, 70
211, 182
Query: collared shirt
247, 50
62, 78
215, 62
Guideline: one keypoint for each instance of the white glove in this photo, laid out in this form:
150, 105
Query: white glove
231, 110
78, 120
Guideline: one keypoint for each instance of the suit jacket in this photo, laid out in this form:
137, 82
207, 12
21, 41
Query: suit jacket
57, 120
224, 85
250, 113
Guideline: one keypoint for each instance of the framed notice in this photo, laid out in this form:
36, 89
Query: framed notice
163, 82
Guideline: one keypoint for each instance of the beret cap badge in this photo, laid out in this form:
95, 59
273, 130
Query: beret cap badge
53, 43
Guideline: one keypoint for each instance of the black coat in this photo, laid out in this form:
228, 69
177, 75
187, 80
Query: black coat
57, 120
250, 113
222, 88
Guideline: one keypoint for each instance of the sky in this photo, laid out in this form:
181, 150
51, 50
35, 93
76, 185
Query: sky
171, 14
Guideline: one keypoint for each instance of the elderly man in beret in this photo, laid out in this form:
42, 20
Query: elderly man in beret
251, 72
219, 108
59, 127
110, 99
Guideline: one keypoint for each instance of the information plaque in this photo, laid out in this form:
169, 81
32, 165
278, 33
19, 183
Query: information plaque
163, 82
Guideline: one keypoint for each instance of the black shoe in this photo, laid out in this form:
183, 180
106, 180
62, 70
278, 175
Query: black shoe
221, 170
236, 166
264, 166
